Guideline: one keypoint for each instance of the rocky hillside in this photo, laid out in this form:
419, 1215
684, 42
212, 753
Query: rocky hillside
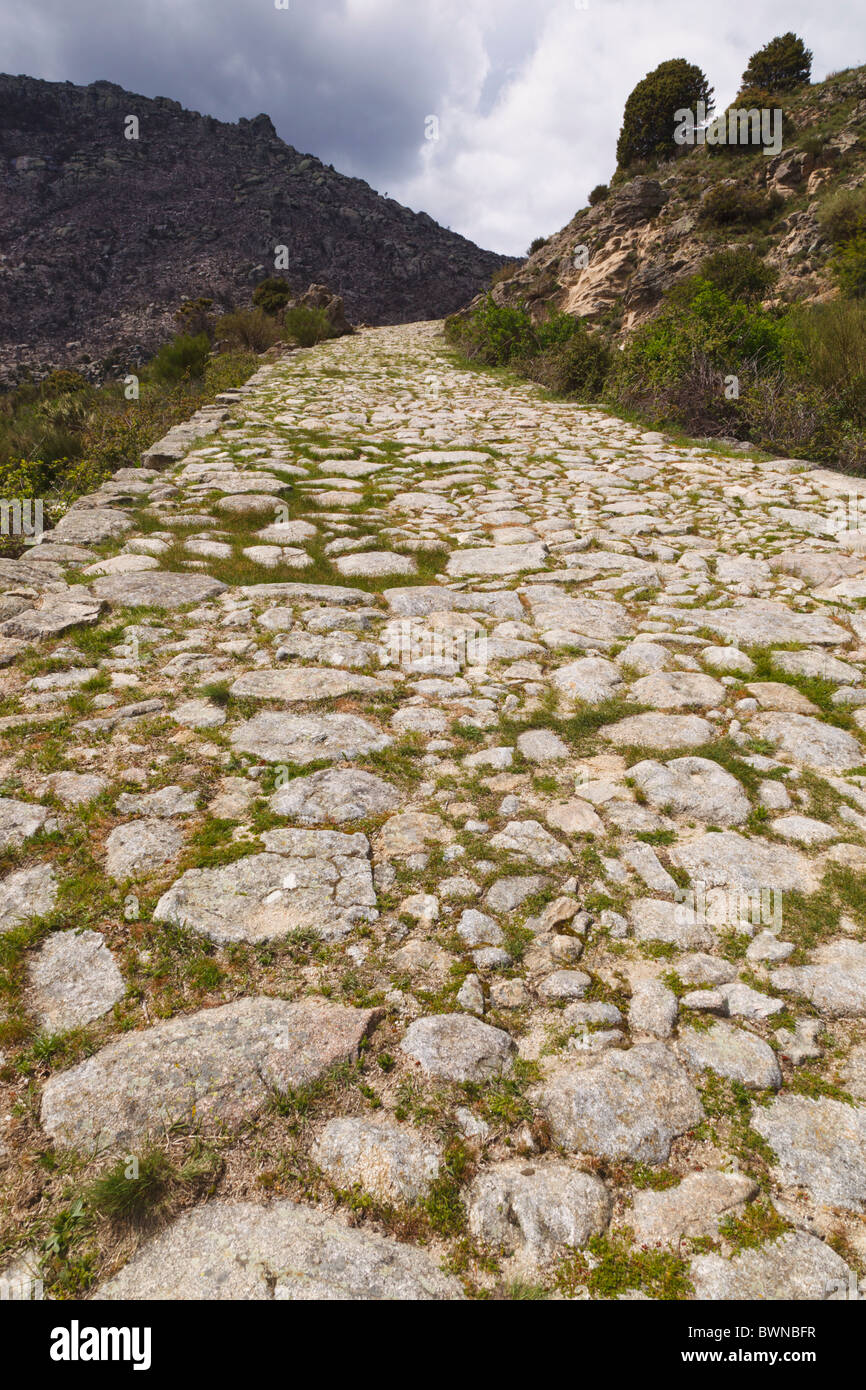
652, 230
102, 236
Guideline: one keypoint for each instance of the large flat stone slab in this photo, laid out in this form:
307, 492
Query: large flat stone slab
72, 979
797, 1266
695, 787
764, 623
809, 742
392, 1162
536, 1209
156, 589
336, 795
625, 1105
26, 893
319, 880
294, 684
498, 559
834, 980
284, 1252
662, 731
19, 821
820, 1145
729, 859
213, 1068
296, 738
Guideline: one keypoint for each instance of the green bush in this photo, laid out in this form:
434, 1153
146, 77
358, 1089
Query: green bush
307, 326
494, 333
730, 205
576, 366
272, 294
849, 265
505, 272
843, 216
825, 346
598, 194
740, 273
782, 65
182, 358
252, 329
536, 245
649, 120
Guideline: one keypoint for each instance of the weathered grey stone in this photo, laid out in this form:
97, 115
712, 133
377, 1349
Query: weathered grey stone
388, 1160
732, 1053
298, 738
653, 1009
477, 929
75, 788
733, 861
526, 839
763, 623
654, 919
214, 1068
375, 564
198, 714
591, 679
679, 690
820, 1145
797, 1266
297, 683
694, 787
286, 1252
337, 795
317, 880
622, 1105
498, 559
90, 525
506, 894
19, 821
537, 1209
809, 742
73, 979
26, 893
692, 1209
168, 801
410, 833
662, 731
52, 616
542, 746
140, 847
157, 589
457, 1047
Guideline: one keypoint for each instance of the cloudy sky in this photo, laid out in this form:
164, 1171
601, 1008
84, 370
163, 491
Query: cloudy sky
528, 94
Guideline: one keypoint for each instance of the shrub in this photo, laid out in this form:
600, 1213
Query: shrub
843, 216
495, 333
536, 245
272, 294
740, 273
731, 205
194, 316
598, 194
252, 329
578, 365
504, 272
825, 345
184, 357
849, 265
307, 326
649, 120
782, 65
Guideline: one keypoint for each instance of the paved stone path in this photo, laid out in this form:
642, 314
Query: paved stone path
500, 755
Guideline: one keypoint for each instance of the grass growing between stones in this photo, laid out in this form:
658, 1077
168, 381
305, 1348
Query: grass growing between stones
613, 1266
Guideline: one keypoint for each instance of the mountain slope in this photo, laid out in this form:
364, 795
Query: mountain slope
652, 230
102, 236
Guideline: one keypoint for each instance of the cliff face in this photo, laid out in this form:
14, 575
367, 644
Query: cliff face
649, 232
101, 236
